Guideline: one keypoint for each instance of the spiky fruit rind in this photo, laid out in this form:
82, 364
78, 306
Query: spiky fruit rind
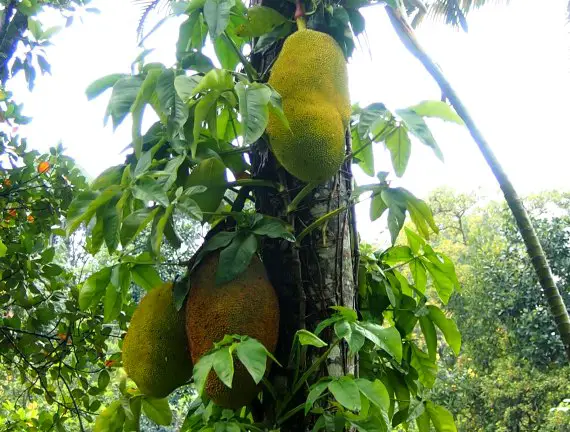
155, 349
246, 306
311, 76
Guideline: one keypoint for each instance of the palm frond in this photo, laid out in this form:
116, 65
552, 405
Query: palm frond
454, 12
147, 7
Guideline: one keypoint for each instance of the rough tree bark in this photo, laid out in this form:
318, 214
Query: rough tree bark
318, 274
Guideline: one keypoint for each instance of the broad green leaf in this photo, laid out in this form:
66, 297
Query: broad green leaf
272, 228
422, 422
124, 94
387, 338
143, 163
426, 368
253, 355
356, 340
103, 379
373, 423
419, 128
171, 104
307, 338
185, 86
108, 177
100, 85
223, 364
111, 225
276, 108
195, 61
363, 153
144, 96
419, 275
397, 254
148, 190
441, 418
201, 371
111, 419
261, 20
135, 223
157, 410
447, 327
437, 109
77, 211
157, 232
430, 335
226, 53
216, 79
112, 304
235, 258
315, 392
204, 108
346, 392
399, 145
3, 249
253, 100
146, 277
377, 207
420, 214
375, 392
217, 15
443, 284
94, 288
414, 241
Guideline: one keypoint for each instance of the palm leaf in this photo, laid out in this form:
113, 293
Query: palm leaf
147, 7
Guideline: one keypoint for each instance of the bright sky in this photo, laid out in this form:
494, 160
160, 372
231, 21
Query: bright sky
512, 70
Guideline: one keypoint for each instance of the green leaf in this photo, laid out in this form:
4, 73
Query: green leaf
148, 189
185, 86
419, 275
437, 109
135, 223
157, 232
426, 368
111, 223
375, 392
419, 128
414, 241
386, 338
235, 258
77, 211
195, 61
443, 284
217, 79
253, 355
447, 327
3, 249
206, 105
346, 392
108, 177
201, 371
146, 277
103, 379
124, 94
307, 338
373, 423
423, 422
223, 364
253, 99
111, 419
261, 20
94, 288
112, 303
399, 145
441, 418
363, 153
273, 228
397, 254
157, 410
226, 53
430, 335
217, 15
144, 96
377, 207
98, 86
315, 392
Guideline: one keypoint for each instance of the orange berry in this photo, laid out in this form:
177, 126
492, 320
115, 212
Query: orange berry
7, 182
13, 213
109, 363
31, 219
43, 167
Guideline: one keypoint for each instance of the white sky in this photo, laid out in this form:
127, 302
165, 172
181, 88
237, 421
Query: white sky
512, 70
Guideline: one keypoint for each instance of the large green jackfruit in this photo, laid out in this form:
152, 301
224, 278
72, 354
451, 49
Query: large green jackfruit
311, 76
155, 349
246, 306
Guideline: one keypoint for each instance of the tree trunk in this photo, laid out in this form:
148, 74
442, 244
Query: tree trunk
314, 276
534, 248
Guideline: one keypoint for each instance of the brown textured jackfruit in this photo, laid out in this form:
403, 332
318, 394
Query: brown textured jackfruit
246, 306
155, 349
311, 76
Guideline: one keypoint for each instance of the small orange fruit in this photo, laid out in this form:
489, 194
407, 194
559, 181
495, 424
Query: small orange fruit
43, 167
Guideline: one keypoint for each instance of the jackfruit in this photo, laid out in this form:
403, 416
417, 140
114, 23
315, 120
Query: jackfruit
311, 76
211, 173
246, 306
155, 349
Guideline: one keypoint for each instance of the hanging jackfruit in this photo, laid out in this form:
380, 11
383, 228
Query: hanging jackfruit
311, 76
246, 306
155, 349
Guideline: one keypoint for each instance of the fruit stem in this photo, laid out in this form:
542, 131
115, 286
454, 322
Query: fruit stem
301, 196
300, 16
